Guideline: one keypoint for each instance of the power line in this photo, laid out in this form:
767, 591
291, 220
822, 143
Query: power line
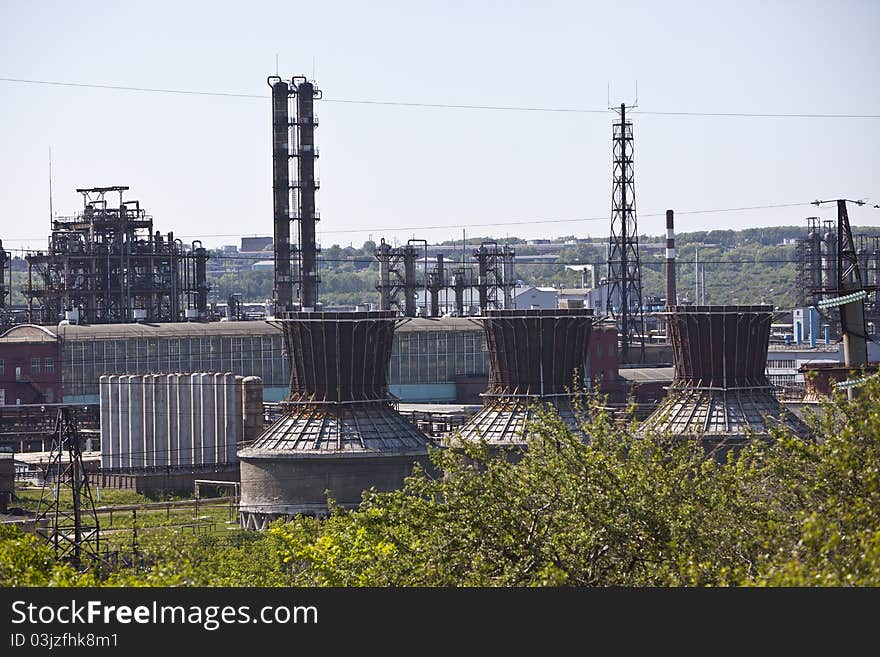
505, 222
425, 105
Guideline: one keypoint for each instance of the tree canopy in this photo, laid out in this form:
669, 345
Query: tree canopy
624, 509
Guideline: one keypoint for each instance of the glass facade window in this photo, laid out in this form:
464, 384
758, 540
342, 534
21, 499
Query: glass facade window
2, 366
418, 357
35, 365
49, 364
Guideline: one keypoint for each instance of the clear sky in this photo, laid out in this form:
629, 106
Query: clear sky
201, 164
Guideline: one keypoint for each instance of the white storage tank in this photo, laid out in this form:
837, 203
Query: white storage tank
136, 446
123, 460
208, 417
160, 419
185, 415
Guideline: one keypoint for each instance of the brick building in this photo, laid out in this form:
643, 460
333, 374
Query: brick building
30, 366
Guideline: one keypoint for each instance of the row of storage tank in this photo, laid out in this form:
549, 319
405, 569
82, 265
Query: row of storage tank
176, 420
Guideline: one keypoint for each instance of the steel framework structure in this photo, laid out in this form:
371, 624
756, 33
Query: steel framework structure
106, 265
624, 266
74, 534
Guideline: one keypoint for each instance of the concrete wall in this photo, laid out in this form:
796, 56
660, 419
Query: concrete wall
269, 485
172, 481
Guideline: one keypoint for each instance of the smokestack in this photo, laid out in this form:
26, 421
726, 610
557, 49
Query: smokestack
670, 260
283, 291
306, 183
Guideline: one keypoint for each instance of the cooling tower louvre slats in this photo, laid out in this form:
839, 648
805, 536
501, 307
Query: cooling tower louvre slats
720, 346
534, 356
339, 388
720, 392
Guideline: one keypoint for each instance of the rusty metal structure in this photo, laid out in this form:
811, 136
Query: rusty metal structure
106, 265
340, 431
397, 277
720, 394
536, 359
293, 139
399, 283
818, 255
624, 265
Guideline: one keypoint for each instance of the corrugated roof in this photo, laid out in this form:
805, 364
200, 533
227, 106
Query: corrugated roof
242, 328
28, 333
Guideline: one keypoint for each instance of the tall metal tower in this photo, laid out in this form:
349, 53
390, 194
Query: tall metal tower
72, 532
624, 267
282, 293
305, 185
297, 191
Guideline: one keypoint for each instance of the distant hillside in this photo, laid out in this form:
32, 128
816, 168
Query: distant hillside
741, 266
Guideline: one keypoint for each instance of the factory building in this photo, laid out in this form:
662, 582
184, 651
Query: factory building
30, 366
432, 360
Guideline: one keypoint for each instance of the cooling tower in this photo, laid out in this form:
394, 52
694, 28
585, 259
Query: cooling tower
340, 434
720, 393
534, 358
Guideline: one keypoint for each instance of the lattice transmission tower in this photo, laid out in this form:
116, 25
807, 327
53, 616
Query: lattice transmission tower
624, 266
70, 523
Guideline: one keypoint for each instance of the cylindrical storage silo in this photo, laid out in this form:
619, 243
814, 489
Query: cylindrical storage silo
172, 390
228, 420
340, 433
237, 418
149, 419
536, 359
252, 408
105, 408
184, 423
209, 416
124, 453
136, 421
219, 418
196, 431
160, 421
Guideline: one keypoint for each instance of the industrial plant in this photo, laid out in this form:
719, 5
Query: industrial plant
105, 265
124, 375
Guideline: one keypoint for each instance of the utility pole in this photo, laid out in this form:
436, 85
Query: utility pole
849, 279
73, 534
624, 266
